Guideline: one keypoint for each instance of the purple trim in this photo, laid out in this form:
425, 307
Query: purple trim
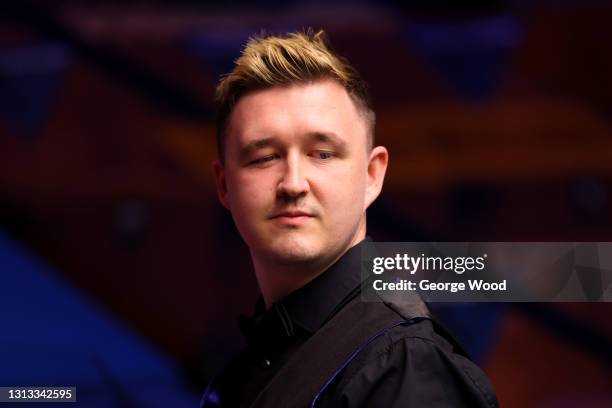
356, 352
210, 395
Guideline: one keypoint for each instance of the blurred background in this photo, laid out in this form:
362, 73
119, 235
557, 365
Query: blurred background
121, 274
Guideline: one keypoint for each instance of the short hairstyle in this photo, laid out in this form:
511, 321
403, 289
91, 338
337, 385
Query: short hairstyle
281, 60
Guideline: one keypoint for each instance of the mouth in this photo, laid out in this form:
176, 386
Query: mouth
292, 214
293, 218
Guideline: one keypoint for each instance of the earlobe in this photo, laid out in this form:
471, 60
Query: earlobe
377, 168
221, 183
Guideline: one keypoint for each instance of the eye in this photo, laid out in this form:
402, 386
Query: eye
324, 155
264, 159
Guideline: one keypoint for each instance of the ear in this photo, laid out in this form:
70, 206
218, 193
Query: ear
221, 184
377, 167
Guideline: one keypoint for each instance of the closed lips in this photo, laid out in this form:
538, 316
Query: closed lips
292, 214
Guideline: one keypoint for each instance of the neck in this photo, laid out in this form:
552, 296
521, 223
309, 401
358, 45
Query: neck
276, 280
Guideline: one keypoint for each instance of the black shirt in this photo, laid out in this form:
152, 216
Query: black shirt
410, 366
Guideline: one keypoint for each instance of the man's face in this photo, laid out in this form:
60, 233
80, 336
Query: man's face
298, 175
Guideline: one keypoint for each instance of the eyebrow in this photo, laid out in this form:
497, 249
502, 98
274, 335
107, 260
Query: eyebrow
246, 150
329, 137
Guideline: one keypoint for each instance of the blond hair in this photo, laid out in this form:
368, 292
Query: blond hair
271, 60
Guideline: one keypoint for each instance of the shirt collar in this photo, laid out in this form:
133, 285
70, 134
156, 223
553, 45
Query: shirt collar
310, 306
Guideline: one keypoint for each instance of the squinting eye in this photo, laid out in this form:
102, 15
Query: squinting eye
264, 159
325, 155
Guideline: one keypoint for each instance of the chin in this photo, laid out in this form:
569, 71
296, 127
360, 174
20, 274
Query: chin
292, 250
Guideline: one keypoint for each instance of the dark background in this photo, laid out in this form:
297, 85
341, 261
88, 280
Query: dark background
121, 274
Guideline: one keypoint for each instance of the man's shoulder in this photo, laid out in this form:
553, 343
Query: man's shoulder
409, 340
419, 357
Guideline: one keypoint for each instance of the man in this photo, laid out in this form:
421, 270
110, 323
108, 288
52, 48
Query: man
297, 169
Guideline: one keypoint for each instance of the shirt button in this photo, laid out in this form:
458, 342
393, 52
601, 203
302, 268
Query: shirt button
265, 363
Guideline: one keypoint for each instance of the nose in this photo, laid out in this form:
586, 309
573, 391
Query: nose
294, 183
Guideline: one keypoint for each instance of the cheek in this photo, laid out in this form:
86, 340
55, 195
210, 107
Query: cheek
345, 192
248, 192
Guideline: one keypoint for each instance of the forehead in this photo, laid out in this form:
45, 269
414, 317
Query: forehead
290, 112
